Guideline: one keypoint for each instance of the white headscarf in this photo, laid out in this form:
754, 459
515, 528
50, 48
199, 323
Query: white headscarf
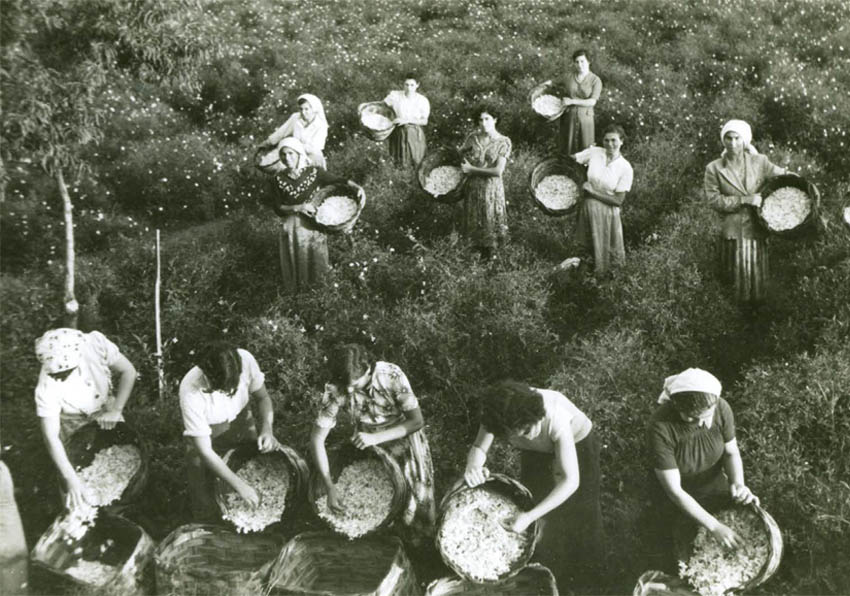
298, 147
692, 379
744, 131
318, 108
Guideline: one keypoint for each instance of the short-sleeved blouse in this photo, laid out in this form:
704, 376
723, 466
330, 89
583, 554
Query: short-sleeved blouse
484, 151
562, 419
606, 177
696, 451
312, 135
385, 399
408, 108
588, 88
294, 191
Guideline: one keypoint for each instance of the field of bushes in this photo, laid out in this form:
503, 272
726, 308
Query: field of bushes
409, 287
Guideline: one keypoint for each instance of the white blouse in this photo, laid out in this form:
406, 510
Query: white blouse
606, 177
410, 108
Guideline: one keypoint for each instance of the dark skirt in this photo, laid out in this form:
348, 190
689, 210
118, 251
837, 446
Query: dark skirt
571, 545
303, 253
407, 145
576, 130
484, 218
744, 266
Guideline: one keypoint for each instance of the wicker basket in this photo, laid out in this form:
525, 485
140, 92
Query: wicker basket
376, 107
86, 441
543, 89
552, 166
129, 550
340, 456
533, 580
284, 460
497, 484
267, 160
442, 156
323, 563
337, 190
206, 559
658, 583
772, 184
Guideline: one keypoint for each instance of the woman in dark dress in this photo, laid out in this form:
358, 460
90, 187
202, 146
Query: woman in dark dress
303, 246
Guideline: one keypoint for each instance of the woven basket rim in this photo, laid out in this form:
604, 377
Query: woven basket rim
769, 186
536, 92
337, 189
440, 156
258, 155
375, 135
458, 583
554, 165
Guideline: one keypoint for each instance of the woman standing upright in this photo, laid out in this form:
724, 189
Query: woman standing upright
309, 125
407, 141
577, 128
485, 155
731, 187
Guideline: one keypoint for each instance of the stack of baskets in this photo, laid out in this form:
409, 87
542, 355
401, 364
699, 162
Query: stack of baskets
532, 580
802, 216
437, 158
206, 559
556, 166
376, 108
333, 201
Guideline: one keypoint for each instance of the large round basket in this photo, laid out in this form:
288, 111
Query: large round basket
267, 159
773, 184
381, 109
86, 441
436, 158
556, 166
356, 205
207, 559
538, 91
533, 580
343, 455
283, 460
497, 484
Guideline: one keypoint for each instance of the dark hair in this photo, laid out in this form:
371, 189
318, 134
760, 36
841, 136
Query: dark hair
347, 363
509, 406
486, 109
303, 100
410, 75
692, 403
580, 52
616, 129
221, 365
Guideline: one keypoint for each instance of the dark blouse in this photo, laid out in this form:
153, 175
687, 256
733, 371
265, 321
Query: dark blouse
295, 191
695, 450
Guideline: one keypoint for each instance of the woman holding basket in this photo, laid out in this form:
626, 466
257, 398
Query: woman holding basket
577, 126
731, 184
309, 125
407, 141
560, 466
303, 247
385, 412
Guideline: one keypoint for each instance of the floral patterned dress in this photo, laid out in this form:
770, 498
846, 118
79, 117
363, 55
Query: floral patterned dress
382, 404
484, 219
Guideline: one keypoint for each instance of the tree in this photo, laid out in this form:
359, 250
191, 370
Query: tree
59, 56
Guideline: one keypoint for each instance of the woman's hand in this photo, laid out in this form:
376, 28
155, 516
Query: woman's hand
743, 495
517, 523
334, 502
308, 209
725, 536
475, 476
107, 419
363, 440
754, 200
247, 492
567, 101
266, 442
465, 167
77, 494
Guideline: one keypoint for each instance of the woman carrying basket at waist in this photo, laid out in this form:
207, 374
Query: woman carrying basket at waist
577, 129
407, 141
560, 466
385, 412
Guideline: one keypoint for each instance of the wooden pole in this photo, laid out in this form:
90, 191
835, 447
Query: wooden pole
157, 284
71, 305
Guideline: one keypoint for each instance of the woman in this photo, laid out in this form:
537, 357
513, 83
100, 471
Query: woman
560, 465
731, 187
696, 461
407, 141
385, 412
303, 248
485, 154
309, 126
577, 130
609, 178
75, 386
214, 401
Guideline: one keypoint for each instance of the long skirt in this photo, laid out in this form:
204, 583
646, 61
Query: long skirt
600, 230
413, 455
572, 543
407, 145
13, 547
484, 219
744, 265
576, 130
303, 253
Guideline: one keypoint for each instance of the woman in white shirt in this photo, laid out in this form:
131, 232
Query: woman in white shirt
309, 125
214, 400
407, 141
609, 178
75, 386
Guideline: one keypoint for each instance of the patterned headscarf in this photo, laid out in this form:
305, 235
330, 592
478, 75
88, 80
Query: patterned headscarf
60, 349
744, 131
298, 147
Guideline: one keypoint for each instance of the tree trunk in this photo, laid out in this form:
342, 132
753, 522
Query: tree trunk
71, 305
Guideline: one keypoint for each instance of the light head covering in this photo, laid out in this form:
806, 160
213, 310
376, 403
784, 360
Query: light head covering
692, 379
60, 349
744, 131
295, 145
317, 106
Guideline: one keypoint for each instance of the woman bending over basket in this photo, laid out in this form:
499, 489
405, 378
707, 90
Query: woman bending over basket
215, 398
385, 412
696, 462
485, 154
303, 247
609, 178
407, 141
308, 125
75, 386
560, 466
577, 128
731, 185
